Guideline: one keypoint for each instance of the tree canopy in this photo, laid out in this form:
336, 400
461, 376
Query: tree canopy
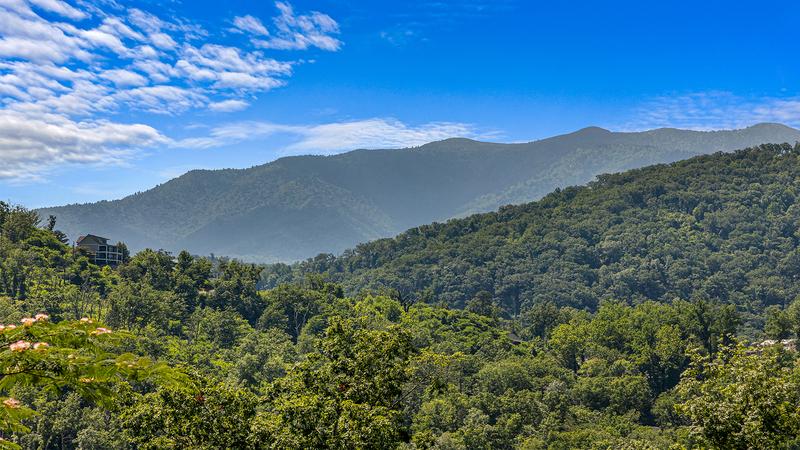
652, 309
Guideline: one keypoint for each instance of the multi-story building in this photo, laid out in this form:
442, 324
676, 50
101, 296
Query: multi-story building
99, 251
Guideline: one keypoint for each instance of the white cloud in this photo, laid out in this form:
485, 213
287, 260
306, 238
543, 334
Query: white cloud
299, 32
713, 111
33, 50
124, 78
246, 81
163, 41
33, 38
228, 106
222, 58
67, 66
117, 27
61, 8
20, 7
251, 25
229, 68
32, 145
338, 136
162, 99
158, 71
147, 22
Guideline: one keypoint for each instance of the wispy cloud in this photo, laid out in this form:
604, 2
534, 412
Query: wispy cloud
64, 66
402, 34
337, 137
228, 106
299, 32
713, 111
249, 24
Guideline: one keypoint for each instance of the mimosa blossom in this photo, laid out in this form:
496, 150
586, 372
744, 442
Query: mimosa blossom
28, 321
40, 345
42, 317
10, 327
86, 320
101, 330
11, 403
19, 346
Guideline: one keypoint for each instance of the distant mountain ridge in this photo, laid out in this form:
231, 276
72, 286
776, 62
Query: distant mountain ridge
297, 207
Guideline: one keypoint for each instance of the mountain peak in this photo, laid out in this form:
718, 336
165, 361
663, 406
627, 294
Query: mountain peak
452, 140
771, 126
591, 131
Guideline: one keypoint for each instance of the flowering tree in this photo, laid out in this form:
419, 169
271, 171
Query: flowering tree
71, 355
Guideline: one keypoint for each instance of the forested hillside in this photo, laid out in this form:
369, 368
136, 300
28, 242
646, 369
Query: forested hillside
721, 227
629, 313
297, 207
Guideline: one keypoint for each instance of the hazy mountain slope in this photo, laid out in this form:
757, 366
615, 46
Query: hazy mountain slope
297, 207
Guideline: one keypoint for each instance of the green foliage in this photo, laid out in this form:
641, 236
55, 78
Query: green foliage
151, 268
720, 229
74, 356
346, 396
212, 417
783, 323
262, 357
740, 399
600, 317
136, 304
66, 354
289, 308
235, 288
222, 328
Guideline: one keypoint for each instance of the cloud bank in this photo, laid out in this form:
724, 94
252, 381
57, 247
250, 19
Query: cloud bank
67, 69
28, 144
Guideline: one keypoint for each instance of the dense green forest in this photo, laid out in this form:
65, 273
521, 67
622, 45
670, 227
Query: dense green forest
297, 207
721, 228
624, 314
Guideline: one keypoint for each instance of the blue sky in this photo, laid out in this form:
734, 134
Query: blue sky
100, 99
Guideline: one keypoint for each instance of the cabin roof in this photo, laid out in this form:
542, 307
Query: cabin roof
91, 238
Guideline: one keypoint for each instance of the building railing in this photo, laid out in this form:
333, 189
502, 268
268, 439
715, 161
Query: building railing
103, 254
106, 257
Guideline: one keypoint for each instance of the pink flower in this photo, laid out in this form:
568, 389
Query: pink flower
40, 345
42, 317
11, 403
86, 320
28, 321
19, 346
101, 330
10, 327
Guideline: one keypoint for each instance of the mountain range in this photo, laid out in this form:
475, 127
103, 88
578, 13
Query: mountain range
296, 207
